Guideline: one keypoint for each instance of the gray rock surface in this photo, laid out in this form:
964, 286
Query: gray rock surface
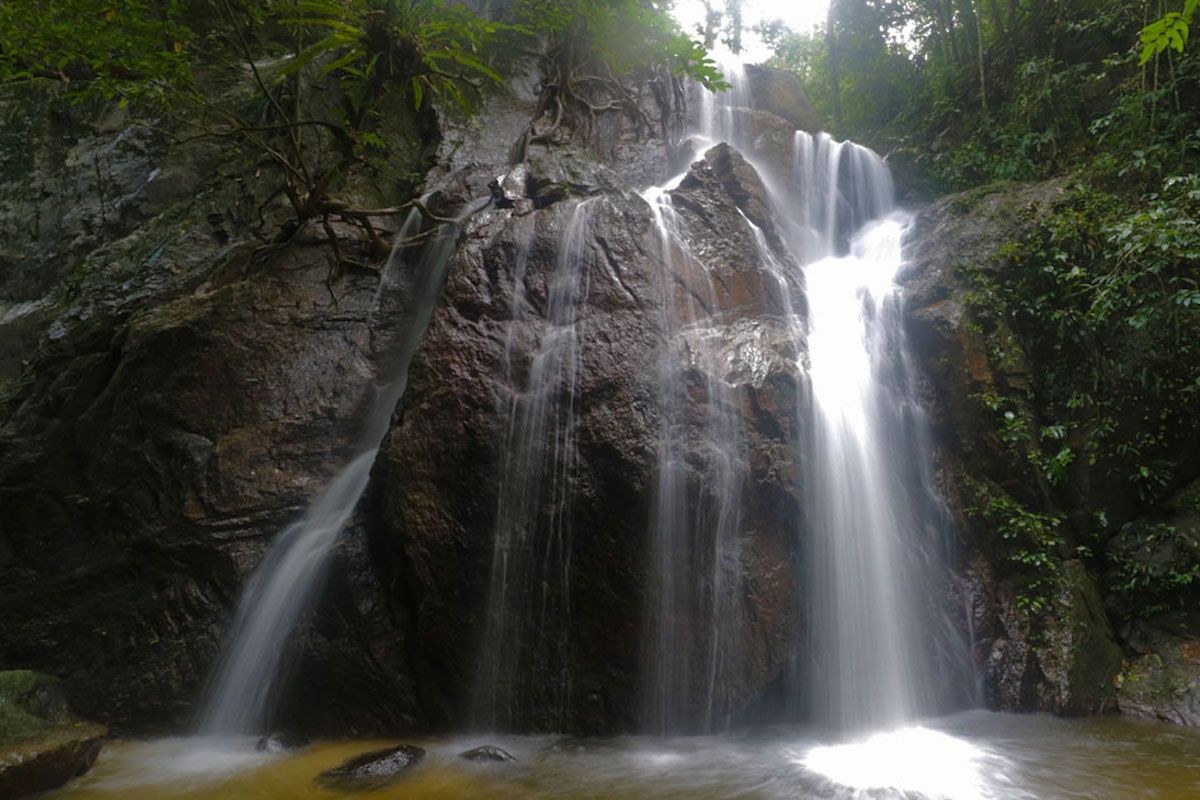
170, 396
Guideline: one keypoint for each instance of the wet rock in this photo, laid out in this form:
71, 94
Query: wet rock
1062, 661
42, 744
781, 93
166, 407
487, 752
281, 742
1164, 681
372, 770
446, 453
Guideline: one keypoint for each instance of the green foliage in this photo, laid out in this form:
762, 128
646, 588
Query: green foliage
1103, 295
1171, 31
131, 48
1029, 541
425, 48
1101, 302
1154, 567
595, 35
876, 76
1022, 90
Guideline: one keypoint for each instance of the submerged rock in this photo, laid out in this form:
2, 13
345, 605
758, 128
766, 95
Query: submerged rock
487, 752
42, 745
372, 770
281, 742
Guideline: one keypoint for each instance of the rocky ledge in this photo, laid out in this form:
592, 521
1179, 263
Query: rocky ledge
42, 745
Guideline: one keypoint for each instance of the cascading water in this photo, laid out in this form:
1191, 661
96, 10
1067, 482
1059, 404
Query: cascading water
694, 530
529, 601
881, 650
283, 585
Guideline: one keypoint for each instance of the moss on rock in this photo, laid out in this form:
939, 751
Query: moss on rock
42, 745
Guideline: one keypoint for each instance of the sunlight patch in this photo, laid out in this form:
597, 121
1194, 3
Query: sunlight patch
917, 759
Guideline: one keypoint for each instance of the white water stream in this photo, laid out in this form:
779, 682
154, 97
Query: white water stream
244, 684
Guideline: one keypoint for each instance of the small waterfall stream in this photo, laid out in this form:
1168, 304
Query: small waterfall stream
529, 596
881, 650
690, 624
244, 684
871, 531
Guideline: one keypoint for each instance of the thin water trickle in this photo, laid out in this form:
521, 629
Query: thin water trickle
691, 620
243, 687
526, 636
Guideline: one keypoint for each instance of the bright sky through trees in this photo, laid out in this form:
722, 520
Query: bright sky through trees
800, 15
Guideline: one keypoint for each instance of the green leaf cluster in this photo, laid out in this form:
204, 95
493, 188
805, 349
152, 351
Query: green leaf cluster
130, 48
1154, 567
619, 36
1030, 542
425, 48
1171, 31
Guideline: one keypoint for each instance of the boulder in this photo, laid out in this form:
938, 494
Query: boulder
451, 449
781, 93
42, 744
171, 394
1164, 681
1062, 661
372, 770
487, 752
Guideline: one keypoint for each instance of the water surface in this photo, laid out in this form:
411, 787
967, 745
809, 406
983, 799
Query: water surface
970, 755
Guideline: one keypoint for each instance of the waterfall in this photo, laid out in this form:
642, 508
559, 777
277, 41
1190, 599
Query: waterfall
526, 636
244, 683
879, 647
881, 650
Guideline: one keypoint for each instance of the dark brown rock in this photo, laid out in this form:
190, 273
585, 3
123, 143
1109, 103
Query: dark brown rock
446, 451
372, 770
781, 93
165, 409
487, 752
1062, 658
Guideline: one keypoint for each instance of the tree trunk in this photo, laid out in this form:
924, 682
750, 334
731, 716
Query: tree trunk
831, 43
946, 12
979, 49
998, 21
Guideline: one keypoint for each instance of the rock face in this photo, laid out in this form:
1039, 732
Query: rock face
1051, 647
1061, 658
780, 93
183, 393
765, 113
1063, 661
42, 745
1159, 554
172, 392
447, 449
1164, 682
